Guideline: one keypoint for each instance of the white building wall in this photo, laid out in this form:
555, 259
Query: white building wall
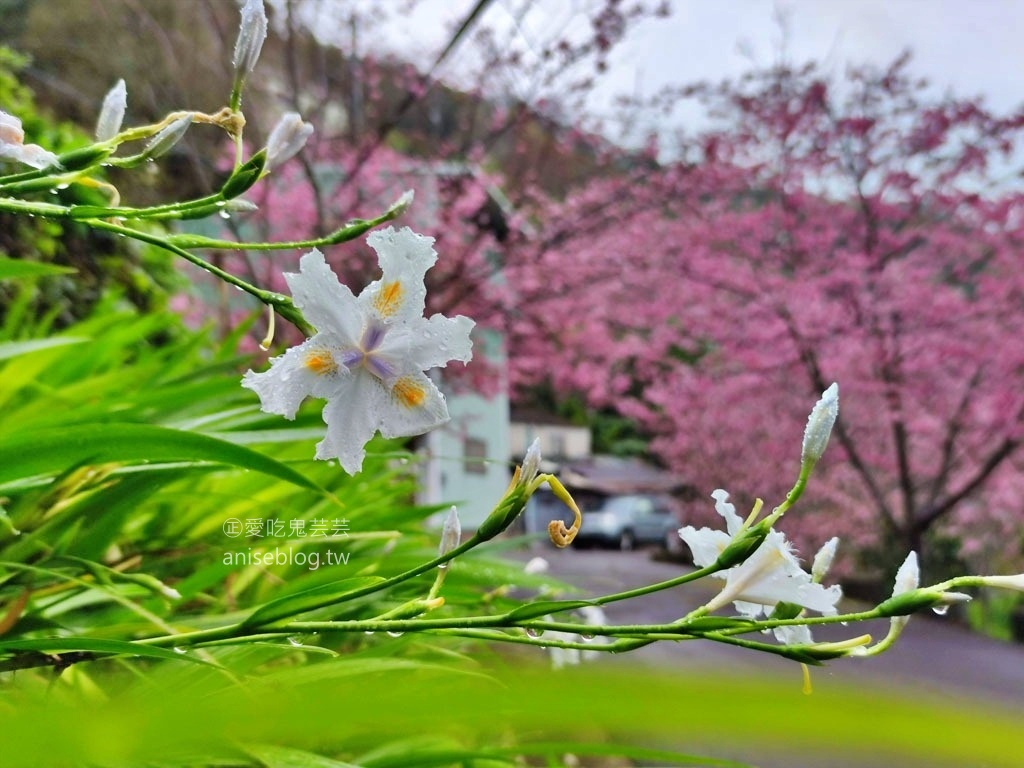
467, 462
556, 441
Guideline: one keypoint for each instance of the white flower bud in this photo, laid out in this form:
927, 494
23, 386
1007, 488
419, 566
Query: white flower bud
908, 578
167, 137
1005, 582
823, 560
251, 35
819, 425
286, 139
240, 205
402, 203
170, 592
112, 112
451, 532
531, 463
536, 565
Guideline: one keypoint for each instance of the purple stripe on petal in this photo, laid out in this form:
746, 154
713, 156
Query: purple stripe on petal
373, 335
352, 358
379, 368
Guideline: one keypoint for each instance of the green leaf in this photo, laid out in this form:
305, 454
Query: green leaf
15, 348
14, 269
308, 600
96, 645
48, 451
282, 757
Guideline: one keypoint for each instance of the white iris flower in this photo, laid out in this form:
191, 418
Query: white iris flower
370, 352
771, 575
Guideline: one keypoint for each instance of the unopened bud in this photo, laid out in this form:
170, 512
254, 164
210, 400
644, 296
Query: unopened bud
536, 565
245, 176
904, 600
1005, 582
451, 532
819, 425
286, 139
240, 205
742, 546
531, 463
908, 577
823, 560
402, 203
251, 35
112, 112
167, 137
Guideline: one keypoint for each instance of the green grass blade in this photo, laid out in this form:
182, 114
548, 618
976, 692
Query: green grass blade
49, 451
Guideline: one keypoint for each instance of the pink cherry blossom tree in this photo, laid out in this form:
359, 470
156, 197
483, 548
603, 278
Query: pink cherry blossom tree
862, 231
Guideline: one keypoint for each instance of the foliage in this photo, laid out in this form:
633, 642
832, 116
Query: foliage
99, 260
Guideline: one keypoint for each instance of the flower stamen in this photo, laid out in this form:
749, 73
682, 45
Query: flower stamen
409, 392
389, 299
321, 362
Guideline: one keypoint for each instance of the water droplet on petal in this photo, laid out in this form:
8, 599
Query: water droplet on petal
294, 642
534, 633
940, 610
182, 651
368, 632
224, 215
586, 637
394, 634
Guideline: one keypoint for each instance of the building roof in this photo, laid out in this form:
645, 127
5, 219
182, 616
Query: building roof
539, 416
614, 474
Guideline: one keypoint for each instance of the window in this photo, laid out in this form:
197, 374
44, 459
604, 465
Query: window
474, 452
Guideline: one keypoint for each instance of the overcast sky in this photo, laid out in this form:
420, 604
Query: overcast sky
970, 46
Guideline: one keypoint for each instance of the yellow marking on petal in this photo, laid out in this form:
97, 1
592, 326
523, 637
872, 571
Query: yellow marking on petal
409, 392
389, 298
320, 362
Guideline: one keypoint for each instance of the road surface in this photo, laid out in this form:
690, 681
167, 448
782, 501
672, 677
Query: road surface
935, 658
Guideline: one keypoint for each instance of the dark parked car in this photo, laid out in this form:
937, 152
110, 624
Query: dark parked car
627, 520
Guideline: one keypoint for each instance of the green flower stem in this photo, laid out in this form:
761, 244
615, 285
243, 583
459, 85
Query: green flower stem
650, 588
240, 629
794, 493
542, 642
282, 304
160, 212
678, 628
26, 208
349, 231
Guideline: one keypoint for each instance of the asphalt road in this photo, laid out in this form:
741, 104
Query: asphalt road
935, 658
